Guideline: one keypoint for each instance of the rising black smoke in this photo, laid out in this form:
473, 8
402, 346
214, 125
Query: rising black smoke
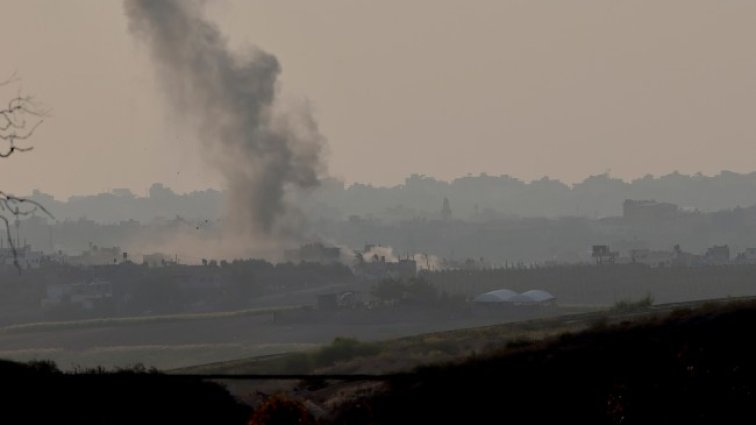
232, 100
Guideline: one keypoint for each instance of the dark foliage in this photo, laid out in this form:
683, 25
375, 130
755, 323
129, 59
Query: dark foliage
38, 393
279, 410
340, 350
693, 368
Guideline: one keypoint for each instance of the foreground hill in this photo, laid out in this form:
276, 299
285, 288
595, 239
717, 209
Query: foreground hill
38, 393
635, 363
691, 366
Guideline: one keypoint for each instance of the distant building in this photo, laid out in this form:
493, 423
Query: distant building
686, 259
652, 258
602, 254
717, 255
314, 253
23, 256
648, 210
157, 260
96, 256
377, 268
748, 256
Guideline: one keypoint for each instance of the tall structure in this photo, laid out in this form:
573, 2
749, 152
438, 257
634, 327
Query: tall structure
446, 212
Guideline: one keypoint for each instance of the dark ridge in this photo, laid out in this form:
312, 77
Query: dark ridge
38, 393
692, 367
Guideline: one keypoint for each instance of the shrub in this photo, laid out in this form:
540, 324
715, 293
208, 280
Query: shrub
599, 323
280, 410
342, 349
626, 305
299, 363
519, 343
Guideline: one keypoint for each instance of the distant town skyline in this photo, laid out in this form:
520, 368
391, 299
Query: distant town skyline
140, 191
439, 88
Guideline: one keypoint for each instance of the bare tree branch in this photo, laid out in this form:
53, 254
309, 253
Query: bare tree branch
18, 121
12, 137
13, 123
18, 206
12, 79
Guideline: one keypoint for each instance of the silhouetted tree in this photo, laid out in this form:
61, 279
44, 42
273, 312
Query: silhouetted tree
18, 120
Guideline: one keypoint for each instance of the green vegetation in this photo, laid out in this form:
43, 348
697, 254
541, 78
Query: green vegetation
340, 350
641, 304
673, 364
520, 343
683, 366
345, 349
348, 355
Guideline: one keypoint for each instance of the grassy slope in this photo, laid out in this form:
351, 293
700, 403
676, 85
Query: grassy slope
405, 353
673, 364
690, 366
438, 348
401, 353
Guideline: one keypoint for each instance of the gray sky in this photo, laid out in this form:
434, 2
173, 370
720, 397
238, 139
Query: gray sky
438, 87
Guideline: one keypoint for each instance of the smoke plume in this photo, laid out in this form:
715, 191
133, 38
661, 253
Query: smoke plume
231, 98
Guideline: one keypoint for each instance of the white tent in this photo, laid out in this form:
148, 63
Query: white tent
497, 296
535, 296
522, 299
503, 294
539, 296
487, 298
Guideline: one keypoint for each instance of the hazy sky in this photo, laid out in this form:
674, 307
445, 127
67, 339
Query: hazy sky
438, 87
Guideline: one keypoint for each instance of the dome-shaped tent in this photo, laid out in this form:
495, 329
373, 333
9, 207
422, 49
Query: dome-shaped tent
539, 296
522, 299
497, 296
503, 294
487, 298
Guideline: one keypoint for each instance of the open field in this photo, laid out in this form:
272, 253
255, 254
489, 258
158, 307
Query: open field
176, 341
634, 363
141, 320
403, 353
434, 348
232, 342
